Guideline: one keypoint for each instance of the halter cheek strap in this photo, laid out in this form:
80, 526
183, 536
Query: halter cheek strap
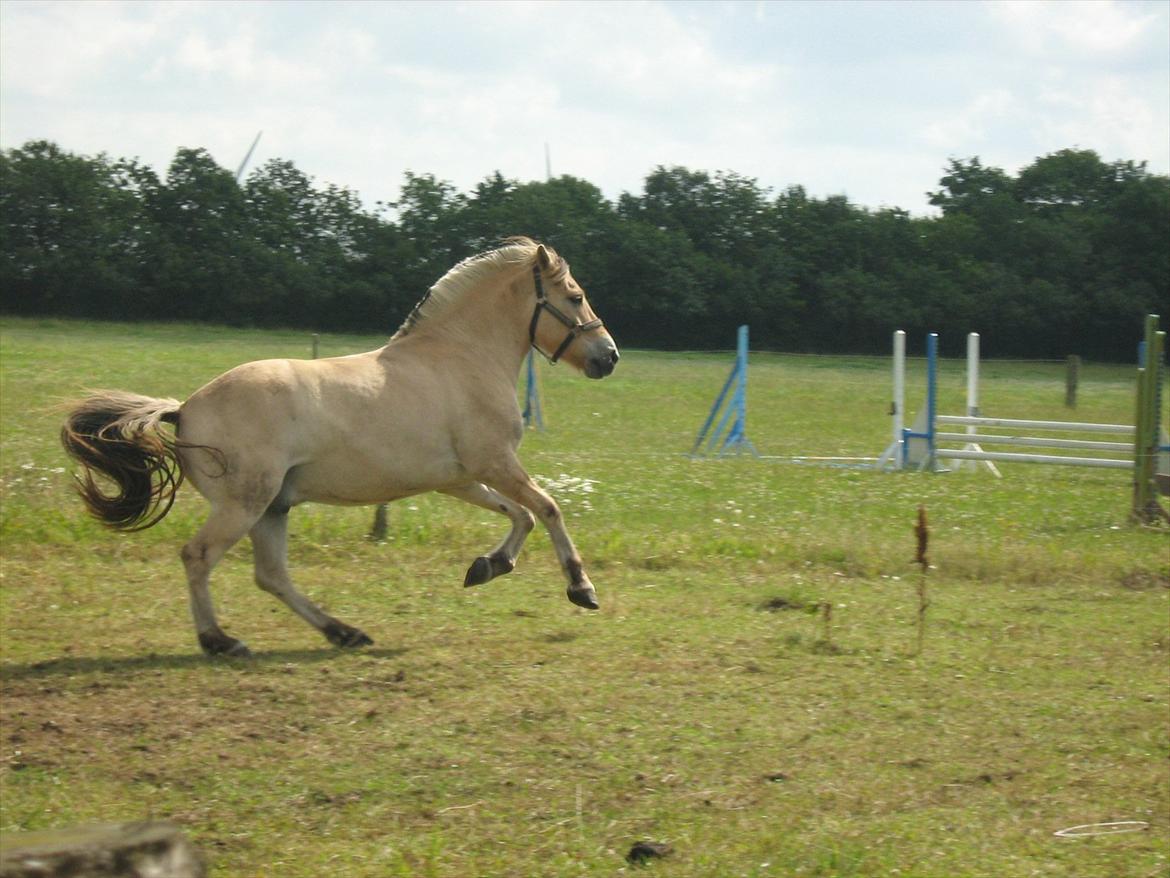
575, 327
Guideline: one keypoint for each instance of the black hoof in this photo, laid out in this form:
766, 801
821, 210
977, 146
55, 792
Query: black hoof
346, 636
485, 568
584, 597
220, 644
479, 572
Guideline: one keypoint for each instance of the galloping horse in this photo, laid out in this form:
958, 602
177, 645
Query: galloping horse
433, 410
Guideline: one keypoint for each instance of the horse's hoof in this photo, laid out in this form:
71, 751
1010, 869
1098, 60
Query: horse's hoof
487, 567
220, 644
584, 597
356, 639
479, 572
346, 636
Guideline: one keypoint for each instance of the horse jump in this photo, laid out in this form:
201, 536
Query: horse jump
434, 409
1143, 445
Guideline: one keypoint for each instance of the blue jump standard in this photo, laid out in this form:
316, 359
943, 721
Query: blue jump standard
931, 407
533, 415
736, 439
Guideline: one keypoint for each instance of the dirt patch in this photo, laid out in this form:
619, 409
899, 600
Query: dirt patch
781, 603
560, 637
1140, 579
645, 851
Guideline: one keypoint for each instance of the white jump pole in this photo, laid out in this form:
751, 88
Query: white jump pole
891, 458
973, 404
899, 401
973, 375
925, 431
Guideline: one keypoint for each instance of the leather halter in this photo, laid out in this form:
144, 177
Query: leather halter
575, 327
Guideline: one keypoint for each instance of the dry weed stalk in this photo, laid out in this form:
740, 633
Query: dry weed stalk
922, 531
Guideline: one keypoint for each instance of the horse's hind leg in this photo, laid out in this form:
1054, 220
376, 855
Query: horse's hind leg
502, 558
270, 554
224, 527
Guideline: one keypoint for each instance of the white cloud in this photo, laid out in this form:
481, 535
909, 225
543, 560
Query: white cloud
239, 59
969, 126
865, 99
1093, 26
47, 48
1106, 115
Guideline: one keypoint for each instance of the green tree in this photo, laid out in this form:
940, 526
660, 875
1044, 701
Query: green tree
308, 246
968, 184
74, 236
205, 262
1064, 257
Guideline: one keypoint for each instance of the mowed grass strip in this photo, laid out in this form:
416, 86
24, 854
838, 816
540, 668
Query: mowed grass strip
712, 703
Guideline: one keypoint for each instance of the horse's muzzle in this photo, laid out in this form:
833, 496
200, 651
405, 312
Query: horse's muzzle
602, 362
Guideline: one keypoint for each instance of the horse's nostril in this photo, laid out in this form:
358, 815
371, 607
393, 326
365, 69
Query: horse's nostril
614, 356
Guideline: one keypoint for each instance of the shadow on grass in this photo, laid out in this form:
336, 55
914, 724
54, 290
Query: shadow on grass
89, 664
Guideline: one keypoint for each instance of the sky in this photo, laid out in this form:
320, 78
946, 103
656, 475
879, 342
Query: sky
864, 99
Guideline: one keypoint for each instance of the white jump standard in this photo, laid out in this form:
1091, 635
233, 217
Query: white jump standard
1136, 448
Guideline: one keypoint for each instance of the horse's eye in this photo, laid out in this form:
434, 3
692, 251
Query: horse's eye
576, 300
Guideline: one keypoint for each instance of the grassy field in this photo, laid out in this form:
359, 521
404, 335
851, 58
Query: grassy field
713, 703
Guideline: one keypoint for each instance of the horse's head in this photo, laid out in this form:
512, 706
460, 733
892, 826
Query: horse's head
569, 331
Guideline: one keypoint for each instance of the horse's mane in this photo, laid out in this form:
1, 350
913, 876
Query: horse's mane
470, 273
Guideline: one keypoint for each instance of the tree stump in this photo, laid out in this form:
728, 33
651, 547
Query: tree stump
112, 850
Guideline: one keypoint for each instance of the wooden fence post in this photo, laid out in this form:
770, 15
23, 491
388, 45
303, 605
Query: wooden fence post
1071, 376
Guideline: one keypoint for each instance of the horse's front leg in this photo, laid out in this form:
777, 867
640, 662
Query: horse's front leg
514, 483
502, 559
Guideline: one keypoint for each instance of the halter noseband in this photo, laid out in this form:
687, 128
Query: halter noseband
575, 327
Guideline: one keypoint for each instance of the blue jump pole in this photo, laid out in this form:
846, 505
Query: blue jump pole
533, 416
931, 395
931, 407
714, 411
737, 437
735, 412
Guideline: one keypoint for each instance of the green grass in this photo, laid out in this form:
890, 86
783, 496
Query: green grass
708, 704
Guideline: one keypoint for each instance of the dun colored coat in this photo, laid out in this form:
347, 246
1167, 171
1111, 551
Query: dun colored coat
434, 409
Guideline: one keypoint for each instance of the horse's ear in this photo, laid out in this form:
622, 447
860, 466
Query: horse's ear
543, 259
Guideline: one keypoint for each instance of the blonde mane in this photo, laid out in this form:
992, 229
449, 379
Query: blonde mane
470, 273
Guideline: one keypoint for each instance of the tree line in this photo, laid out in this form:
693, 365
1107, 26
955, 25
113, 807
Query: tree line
1064, 257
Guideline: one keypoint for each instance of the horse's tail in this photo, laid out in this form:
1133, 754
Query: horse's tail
119, 436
